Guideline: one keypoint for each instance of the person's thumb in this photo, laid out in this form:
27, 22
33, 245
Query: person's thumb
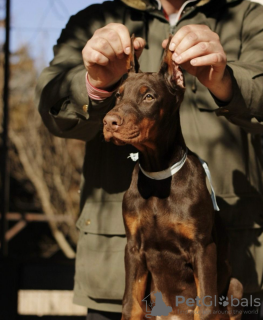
164, 43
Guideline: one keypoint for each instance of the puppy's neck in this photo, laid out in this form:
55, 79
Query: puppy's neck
168, 148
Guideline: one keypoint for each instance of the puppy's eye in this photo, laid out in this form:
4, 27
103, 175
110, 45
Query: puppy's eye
148, 97
117, 95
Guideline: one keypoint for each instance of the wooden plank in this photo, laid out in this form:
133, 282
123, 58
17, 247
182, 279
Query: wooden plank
15, 230
48, 303
38, 217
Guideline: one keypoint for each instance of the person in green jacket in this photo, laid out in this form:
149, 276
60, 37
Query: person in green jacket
219, 44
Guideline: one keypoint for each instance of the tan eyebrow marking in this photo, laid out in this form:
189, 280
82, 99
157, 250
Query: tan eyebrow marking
143, 89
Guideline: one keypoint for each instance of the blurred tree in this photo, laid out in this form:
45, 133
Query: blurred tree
44, 165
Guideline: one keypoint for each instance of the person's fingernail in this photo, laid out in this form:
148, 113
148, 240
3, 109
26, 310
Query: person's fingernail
171, 46
127, 50
193, 62
177, 58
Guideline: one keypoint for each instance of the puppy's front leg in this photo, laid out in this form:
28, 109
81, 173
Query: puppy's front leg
135, 283
205, 275
136, 271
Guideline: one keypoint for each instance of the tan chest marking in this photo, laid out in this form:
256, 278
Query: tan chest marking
132, 224
187, 230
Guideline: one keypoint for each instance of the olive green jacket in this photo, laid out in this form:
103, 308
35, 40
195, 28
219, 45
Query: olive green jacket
226, 136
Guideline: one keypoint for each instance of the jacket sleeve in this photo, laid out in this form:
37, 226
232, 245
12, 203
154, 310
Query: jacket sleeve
246, 107
61, 94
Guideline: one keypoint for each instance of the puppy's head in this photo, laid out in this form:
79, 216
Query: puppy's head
146, 104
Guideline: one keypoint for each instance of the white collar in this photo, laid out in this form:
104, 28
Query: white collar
160, 175
164, 174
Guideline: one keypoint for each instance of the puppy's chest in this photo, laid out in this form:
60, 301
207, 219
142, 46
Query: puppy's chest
161, 219
168, 210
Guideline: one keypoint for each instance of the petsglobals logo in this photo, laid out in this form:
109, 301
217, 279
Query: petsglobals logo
223, 301
209, 301
220, 305
157, 307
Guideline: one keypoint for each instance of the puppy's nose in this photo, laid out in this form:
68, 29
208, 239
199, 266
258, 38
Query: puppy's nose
112, 121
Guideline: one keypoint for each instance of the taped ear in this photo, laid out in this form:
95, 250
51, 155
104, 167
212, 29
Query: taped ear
170, 70
132, 62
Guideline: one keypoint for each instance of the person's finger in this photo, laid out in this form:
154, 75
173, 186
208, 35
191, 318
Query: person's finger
192, 39
198, 50
109, 40
103, 46
139, 44
164, 43
213, 59
123, 35
183, 32
92, 57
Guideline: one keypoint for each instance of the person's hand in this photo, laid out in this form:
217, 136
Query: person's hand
105, 54
197, 49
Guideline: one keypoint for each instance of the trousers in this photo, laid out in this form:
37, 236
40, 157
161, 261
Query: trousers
102, 315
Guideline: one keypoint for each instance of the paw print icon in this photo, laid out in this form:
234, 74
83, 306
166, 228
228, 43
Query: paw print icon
223, 301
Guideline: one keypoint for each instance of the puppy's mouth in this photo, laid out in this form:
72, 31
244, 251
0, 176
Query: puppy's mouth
116, 141
120, 139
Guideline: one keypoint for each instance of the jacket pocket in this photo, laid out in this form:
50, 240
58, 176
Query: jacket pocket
100, 272
96, 220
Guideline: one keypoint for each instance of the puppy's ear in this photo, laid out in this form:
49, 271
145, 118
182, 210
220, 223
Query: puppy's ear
132, 62
170, 70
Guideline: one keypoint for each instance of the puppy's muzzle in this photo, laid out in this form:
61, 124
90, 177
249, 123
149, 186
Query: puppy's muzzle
112, 122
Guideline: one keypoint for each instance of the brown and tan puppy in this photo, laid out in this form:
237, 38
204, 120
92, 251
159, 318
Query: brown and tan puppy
174, 247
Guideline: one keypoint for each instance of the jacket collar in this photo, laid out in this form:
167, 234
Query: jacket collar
202, 2
141, 5
146, 5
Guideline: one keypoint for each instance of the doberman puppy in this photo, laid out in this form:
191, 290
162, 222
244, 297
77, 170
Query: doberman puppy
174, 249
